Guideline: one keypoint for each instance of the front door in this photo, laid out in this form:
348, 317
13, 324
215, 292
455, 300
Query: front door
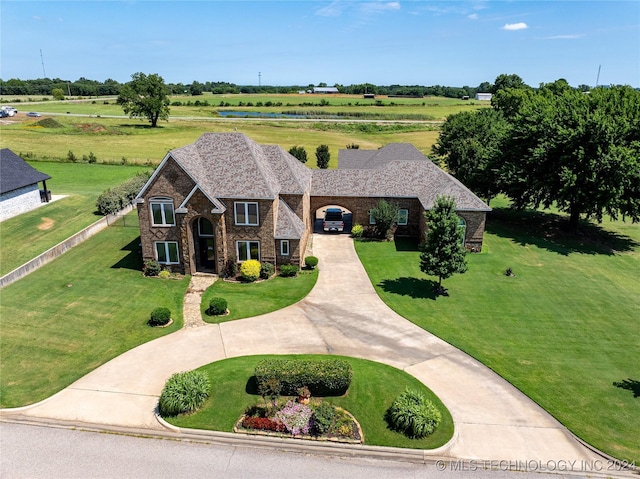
206, 245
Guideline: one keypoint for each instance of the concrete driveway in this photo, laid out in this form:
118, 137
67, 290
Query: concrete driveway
342, 315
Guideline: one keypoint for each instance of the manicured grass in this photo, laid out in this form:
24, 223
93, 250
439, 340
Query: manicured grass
29, 234
563, 330
373, 389
274, 294
74, 314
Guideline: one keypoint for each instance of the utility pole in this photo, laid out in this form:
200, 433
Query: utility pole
42, 61
259, 79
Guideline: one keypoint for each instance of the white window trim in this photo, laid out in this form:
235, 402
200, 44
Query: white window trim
406, 221
282, 247
462, 225
162, 202
245, 205
249, 250
200, 234
166, 251
372, 220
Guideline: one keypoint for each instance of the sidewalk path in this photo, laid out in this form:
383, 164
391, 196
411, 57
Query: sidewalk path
342, 315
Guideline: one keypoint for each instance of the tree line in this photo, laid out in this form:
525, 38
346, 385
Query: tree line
86, 87
551, 146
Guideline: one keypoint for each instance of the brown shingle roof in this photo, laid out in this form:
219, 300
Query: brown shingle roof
288, 225
405, 177
369, 159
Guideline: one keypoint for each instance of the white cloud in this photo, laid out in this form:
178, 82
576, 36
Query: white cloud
473, 16
515, 26
572, 36
377, 7
334, 9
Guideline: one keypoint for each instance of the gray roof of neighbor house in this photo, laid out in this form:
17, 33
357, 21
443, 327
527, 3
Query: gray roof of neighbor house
231, 165
395, 171
15, 173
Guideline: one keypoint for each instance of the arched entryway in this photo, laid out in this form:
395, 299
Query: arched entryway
205, 246
320, 214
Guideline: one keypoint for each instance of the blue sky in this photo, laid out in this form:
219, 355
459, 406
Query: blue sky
451, 43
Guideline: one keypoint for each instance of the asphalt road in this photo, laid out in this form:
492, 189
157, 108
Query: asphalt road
31, 451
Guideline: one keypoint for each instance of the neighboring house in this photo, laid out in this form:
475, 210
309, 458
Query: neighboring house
226, 197
483, 96
19, 191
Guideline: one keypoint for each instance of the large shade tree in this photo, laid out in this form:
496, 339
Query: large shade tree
145, 96
577, 151
443, 252
471, 145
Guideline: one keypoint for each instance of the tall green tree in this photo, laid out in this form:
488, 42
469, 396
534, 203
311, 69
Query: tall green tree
443, 252
504, 81
577, 151
385, 215
145, 96
299, 152
471, 145
323, 156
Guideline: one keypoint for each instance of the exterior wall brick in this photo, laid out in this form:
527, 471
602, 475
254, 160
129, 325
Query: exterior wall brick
263, 232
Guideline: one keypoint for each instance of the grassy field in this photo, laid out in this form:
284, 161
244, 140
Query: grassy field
373, 389
111, 140
564, 330
274, 294
428, 108
27, 235
72, 315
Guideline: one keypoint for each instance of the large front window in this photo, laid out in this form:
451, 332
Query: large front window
167, 252
248, 250
246, 213
162, 212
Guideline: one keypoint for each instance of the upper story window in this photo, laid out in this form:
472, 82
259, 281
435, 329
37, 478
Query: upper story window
246, 213
162, 212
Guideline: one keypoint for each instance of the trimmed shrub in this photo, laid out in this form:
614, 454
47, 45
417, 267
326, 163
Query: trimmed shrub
151, 268
288, 270
413, 415
217, 306
159, 317
250, 270
184, 393
323, 417
230, 268
324, 377
113, 200
164, 274
262, 423
357, 231
266, 270
311, 262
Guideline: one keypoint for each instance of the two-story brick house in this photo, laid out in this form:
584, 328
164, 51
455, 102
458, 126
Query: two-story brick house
227, 197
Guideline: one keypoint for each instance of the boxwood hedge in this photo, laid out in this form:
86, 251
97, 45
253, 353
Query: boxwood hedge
323, 377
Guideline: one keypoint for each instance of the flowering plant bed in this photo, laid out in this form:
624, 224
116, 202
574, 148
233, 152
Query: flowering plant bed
296, 420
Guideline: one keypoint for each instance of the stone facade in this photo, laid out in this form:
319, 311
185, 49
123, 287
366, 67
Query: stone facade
19, 201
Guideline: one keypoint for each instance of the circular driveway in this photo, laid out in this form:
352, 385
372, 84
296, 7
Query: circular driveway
341, 315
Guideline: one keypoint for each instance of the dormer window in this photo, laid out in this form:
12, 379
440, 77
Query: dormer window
162, 212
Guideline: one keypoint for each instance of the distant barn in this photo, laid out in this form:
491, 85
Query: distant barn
325, 89
484, 96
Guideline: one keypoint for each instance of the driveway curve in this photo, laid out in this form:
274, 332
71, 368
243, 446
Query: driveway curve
341, 315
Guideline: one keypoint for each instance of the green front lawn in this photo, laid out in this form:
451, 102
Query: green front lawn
81, 310
26, 236
274, 294
563, 330
373, 389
